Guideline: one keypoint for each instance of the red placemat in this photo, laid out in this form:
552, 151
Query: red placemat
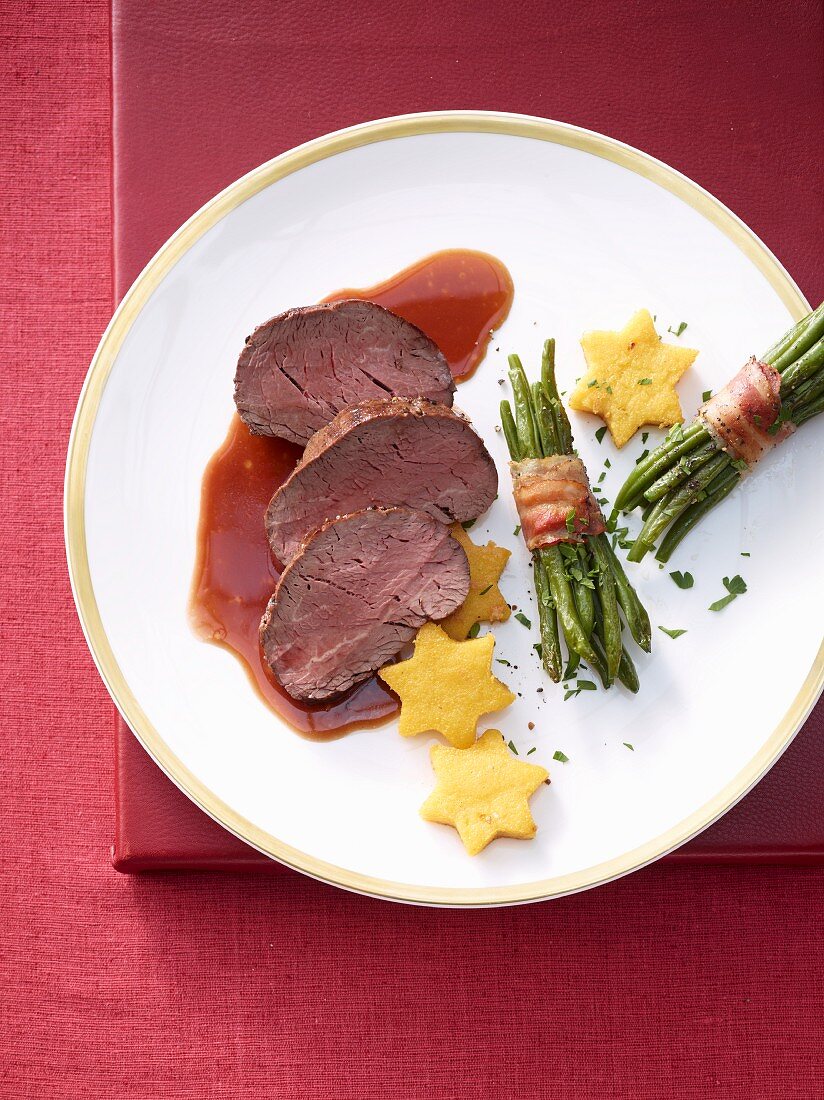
198, 100
677, 982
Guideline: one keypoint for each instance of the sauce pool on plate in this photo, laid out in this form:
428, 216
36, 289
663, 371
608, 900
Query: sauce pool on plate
456, 297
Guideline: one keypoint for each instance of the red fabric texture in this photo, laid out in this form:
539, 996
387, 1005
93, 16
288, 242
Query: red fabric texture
193, 110
676, 982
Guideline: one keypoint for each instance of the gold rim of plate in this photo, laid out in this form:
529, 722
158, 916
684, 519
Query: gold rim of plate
490, 122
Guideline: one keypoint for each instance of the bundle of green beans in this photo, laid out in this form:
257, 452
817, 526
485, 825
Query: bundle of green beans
579, 585
689, 473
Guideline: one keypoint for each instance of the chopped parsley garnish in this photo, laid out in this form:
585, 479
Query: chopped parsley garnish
519, 615
585, 685
468, 524
675, 434
485, 590
607, 464
539, 649
677, 331
642, 456
594, 382
735, 587
706, 395
609, 389
570, 521
672, 633
745, 553
599, 435
782, 418
627, 745
517, 530
473, 630
683, 580
531, 751
644, 381
572, 665
619, 538
501, 661
562, 756
644, 436
512, 748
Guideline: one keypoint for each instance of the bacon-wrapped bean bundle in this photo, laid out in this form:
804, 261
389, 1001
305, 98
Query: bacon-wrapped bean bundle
697, 466
578, 580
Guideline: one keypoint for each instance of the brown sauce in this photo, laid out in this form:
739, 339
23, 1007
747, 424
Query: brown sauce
456, 297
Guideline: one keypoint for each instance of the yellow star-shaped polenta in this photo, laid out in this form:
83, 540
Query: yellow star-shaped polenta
484, 602
630, 378
483, 792
446, 686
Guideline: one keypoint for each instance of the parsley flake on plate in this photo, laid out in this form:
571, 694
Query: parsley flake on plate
676, 633
736, 586
683, 580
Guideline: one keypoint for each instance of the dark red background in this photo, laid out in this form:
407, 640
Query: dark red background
677, 982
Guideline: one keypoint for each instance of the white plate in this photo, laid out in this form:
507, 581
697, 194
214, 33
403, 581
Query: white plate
591, 230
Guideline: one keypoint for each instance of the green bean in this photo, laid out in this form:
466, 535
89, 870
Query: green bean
683, 468
671, 506
559, 586
656, 463
688, 519
805, 392
548, 621
527, 433
548, 370
634, 611
811, 332
599, 665
786, 340
808, 410
549, 410
582, 594
510, 432
627, 673
564, 429
626, 669
544, 420
803, 368
608, 601
550, 387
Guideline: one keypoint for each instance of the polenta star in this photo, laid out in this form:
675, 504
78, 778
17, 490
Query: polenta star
630, 378
483, 792
446, 686
484, 602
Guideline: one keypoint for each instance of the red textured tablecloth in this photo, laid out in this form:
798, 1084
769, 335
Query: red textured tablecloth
677, 982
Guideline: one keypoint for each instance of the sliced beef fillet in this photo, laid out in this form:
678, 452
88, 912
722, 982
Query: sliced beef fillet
302, 367
355, 593
384, 453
